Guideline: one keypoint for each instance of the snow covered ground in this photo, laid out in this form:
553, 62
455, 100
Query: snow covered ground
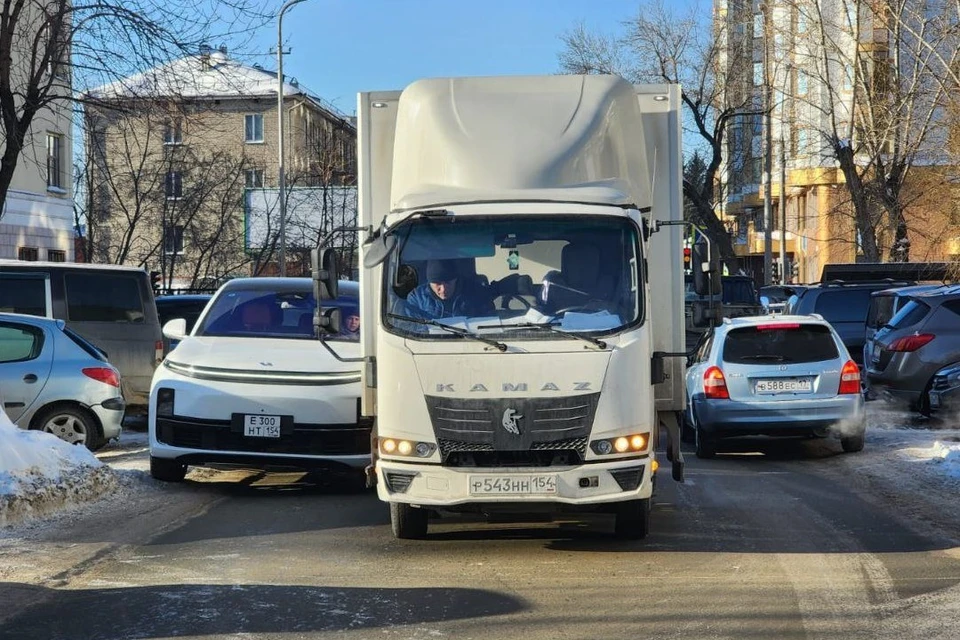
42, 477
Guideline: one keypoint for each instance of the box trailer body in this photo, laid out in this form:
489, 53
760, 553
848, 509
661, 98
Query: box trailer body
547, 194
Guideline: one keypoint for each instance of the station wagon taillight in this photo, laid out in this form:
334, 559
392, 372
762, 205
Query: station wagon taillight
103, 374
849, 378
910, 343
714, 384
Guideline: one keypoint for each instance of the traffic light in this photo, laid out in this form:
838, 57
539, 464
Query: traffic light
155, 277
687, 258
774, 271
795, 270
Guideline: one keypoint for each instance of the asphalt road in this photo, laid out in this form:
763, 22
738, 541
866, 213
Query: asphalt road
782, 545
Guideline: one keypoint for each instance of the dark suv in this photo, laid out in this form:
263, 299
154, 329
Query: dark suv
844, 305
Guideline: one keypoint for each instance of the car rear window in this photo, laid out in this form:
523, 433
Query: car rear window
83, 343
843, 305
23, 294
791, 344
910, 314
103, 297
881, 310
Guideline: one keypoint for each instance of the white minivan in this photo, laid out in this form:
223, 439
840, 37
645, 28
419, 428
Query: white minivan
252, 386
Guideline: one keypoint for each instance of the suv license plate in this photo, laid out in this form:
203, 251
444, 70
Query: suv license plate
784, 386
513, 485
260, 426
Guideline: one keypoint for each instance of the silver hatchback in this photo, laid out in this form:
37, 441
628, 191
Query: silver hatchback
56, 381
774, 376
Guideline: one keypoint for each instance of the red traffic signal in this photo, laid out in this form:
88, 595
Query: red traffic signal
687, 255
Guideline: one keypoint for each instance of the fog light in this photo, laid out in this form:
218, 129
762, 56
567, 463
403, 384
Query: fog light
604, 447
621, 445
165, 402
404, 448
638, 443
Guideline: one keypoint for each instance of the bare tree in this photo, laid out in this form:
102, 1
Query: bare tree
876, 105
679, 46
157, 203
50, 47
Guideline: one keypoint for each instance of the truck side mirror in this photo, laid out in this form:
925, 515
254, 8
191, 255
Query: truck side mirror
327, 320
705, 313
323, 269
706, 270
377, 248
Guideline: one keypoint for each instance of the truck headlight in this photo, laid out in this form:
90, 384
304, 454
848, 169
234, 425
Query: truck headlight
394, 447
634, 443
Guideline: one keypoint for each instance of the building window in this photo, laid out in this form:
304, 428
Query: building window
254, 178
757, 74
758, 25
173, 185
54, 161
253, 127
56, 255
30, 254
803, 83
173, 239
172, 131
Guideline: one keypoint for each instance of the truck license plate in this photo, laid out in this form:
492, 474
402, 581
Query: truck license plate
513, 485
258, 426
783, 386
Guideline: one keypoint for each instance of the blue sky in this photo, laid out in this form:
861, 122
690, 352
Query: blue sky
340, 47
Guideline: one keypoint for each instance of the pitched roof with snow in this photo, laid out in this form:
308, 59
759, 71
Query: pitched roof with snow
207, 75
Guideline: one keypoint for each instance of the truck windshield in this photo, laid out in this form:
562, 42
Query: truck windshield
492, 275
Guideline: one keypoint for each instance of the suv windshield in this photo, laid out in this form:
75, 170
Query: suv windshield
244, 313
881, 310
788, 343
491, 275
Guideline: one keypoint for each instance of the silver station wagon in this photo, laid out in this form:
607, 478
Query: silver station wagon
774, 376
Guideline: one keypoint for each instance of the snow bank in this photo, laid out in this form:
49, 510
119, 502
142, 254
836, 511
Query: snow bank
947, 455
40, 474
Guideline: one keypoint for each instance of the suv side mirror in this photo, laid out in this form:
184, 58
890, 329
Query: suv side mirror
707, 271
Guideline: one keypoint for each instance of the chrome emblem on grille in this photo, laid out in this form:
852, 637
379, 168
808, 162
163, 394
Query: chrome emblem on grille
509, 421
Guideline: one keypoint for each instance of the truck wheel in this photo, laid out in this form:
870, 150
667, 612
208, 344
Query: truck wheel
167, 470
853, 443
706, 445
633, 519
407, 522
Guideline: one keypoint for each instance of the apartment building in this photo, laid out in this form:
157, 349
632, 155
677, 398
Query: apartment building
37, 221
822, 68
172, 152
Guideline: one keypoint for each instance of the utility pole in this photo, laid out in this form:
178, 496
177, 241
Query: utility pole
783, 201
767, 146
281, 178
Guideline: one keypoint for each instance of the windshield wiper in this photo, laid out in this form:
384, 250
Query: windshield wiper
548, 326
455, 330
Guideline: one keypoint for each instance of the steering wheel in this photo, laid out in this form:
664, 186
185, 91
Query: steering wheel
507, 297
575, 307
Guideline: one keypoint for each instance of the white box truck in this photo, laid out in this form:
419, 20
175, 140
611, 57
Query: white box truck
522, 301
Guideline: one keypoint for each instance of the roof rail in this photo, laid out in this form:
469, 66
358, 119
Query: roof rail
887, 281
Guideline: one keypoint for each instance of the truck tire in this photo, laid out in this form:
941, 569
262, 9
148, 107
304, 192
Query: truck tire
408, 522
853, 443
706, 445
167, 470
633, 519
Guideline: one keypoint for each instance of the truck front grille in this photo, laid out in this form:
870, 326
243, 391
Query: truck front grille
499, 432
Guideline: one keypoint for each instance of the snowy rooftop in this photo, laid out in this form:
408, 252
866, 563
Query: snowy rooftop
205, 75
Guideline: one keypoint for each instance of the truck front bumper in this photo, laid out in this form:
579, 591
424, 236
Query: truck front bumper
588, 484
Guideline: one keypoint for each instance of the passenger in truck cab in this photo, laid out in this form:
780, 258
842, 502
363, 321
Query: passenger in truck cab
445, 294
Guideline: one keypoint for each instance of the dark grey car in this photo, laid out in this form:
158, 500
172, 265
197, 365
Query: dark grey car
922, 339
